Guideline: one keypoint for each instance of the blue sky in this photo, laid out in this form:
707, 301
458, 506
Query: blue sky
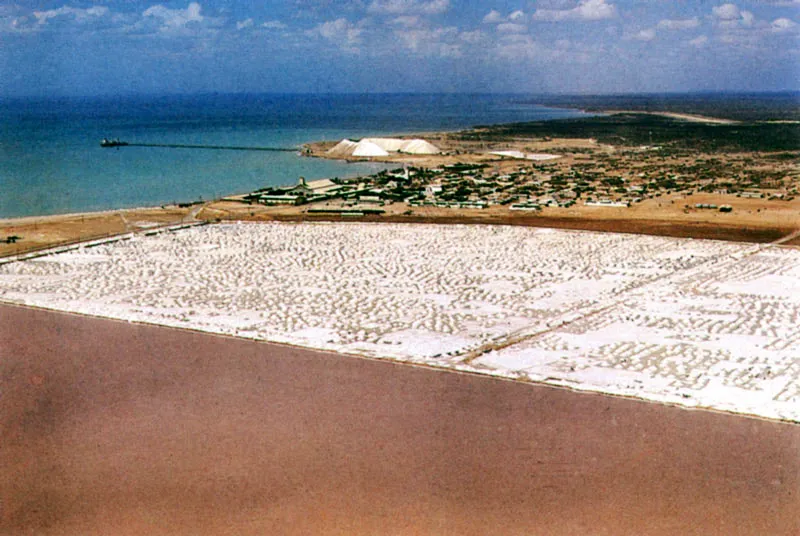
71, 47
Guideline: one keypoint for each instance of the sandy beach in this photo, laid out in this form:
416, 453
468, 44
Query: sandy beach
110, 427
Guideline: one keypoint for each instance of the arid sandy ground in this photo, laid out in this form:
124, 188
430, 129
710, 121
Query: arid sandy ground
116, 428
753, 220
41, 232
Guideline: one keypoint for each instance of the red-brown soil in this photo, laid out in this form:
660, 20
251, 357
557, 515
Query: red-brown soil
115, 428
656, 228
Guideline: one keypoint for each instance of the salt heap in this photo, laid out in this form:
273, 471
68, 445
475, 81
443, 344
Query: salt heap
420, 147
368, 148
391, 145
382, 147
343, 148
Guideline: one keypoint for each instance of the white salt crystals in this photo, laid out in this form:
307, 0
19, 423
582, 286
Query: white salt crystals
691, 322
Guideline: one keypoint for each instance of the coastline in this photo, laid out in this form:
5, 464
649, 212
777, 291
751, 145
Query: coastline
694, 118
523, 417
677, 209
756, 220
672, 214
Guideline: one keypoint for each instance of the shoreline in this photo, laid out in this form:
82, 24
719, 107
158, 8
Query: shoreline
456, 149
759, 216
690, 117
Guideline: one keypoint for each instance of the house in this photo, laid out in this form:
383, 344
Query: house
751, 195
279, 199
525, 206
313, 188
302, 192
605, 203
371, 199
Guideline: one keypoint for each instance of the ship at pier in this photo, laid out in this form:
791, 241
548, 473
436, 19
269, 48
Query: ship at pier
105, 142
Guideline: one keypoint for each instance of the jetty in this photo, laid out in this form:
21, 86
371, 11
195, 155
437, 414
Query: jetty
117, 143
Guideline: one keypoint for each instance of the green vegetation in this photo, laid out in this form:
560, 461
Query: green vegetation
736, 106
671, 135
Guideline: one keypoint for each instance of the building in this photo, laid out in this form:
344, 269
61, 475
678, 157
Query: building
314, 188
432, 190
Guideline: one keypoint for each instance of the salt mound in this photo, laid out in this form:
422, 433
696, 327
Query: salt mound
420, 147
343, 148
368, 148
382, 147
391, 145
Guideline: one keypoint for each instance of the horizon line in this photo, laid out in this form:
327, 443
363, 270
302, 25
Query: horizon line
720, 92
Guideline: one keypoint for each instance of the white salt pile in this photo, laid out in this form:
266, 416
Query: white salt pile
343, 148
419, 147
368, 147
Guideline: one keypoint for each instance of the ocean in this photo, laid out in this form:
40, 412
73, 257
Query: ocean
51, 161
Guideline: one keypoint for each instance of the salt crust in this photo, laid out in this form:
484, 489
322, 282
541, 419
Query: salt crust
690, 322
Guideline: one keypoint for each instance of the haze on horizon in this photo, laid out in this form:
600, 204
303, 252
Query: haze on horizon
72, 47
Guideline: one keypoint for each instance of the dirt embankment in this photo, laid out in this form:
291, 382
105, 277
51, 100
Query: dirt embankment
752, 220
658, 228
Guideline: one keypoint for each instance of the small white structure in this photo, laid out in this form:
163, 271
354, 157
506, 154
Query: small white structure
605, 203
526, 156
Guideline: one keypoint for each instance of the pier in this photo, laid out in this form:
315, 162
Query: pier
188, 146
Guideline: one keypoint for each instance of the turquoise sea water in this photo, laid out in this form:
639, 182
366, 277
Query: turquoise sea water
51, 161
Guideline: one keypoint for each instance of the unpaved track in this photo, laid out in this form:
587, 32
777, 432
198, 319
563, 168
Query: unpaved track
115, 428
